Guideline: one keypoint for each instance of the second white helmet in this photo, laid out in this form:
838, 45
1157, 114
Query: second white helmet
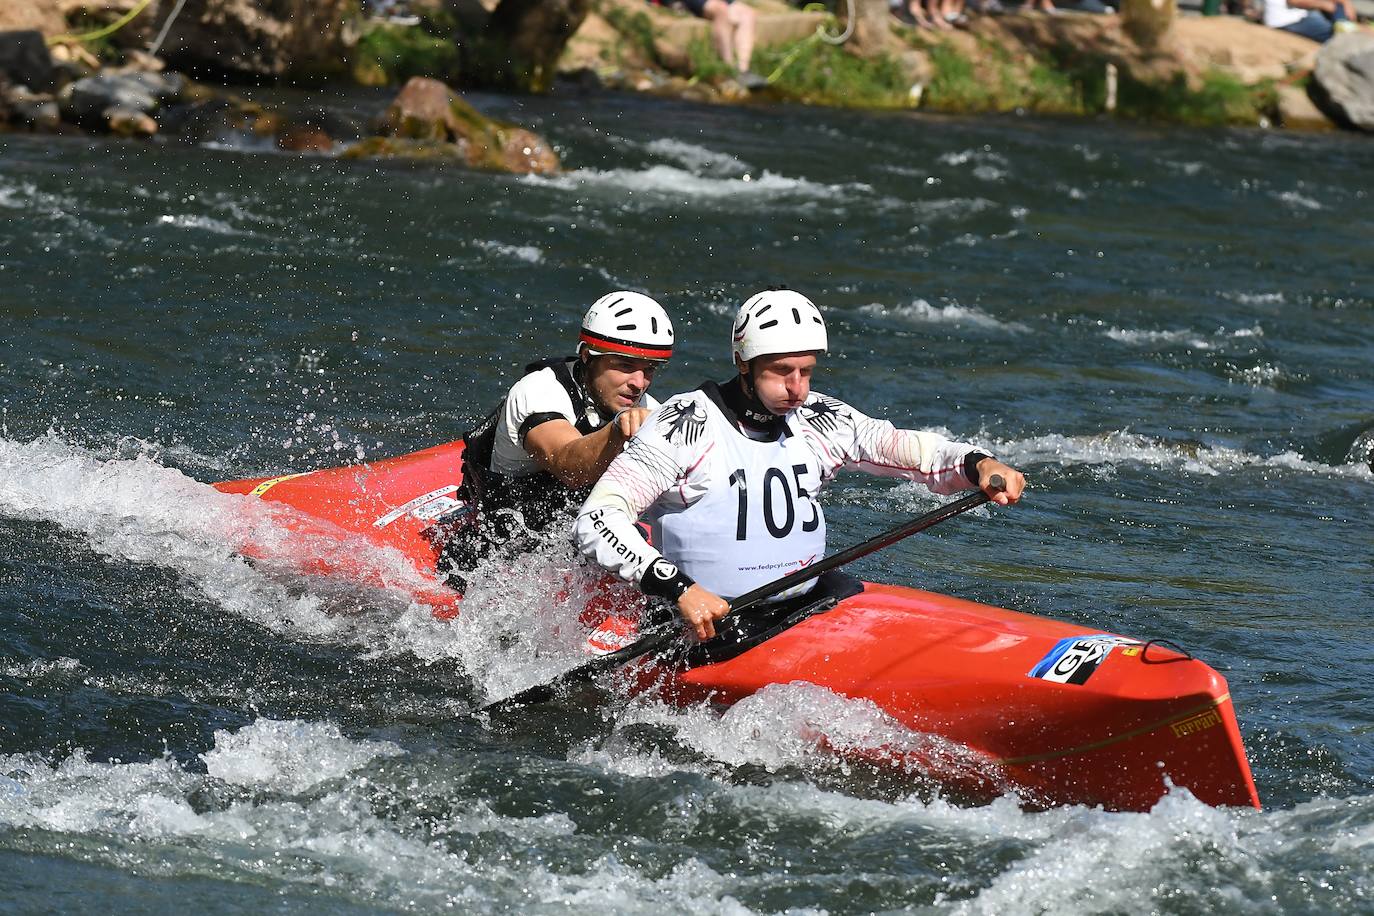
628, 323
778, 321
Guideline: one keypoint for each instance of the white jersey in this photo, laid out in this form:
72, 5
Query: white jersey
538, 398
734, 513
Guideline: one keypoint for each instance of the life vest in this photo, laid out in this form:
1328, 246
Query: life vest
540, 497
758, 521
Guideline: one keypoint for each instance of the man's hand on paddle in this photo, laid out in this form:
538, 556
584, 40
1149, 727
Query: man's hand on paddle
701, 609
1013, 481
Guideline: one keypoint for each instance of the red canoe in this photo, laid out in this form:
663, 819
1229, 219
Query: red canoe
1058, 713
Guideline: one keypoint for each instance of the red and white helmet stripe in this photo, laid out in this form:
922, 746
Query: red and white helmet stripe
628, 323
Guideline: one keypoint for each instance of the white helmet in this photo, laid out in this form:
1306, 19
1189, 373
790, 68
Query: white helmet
778, 321
628, 323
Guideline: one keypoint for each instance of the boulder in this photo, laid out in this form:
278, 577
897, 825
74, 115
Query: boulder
428, 112
36, 111
302, 138
43, 15
1298, 112
24, 59
261, 39
88, 102
127, 122
1343, 81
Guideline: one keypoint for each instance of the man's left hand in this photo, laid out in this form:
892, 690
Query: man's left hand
1012, 480
628, 422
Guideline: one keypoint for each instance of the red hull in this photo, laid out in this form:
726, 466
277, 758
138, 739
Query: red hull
1142, 718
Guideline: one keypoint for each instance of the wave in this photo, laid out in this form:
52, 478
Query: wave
530, 254
1124, 447
987, 165
1190, 339
923, 312
514, 630
196, 221
1296, 201
667, 184
300, 804
698, 159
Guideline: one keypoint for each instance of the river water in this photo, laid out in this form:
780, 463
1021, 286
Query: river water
1170, 331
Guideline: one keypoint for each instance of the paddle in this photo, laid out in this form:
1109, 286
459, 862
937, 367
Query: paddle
659, 637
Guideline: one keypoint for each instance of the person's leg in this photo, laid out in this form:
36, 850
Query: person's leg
1314, 26
742, 15
717, 12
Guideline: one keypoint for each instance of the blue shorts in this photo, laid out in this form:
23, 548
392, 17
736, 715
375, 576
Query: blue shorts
695, 7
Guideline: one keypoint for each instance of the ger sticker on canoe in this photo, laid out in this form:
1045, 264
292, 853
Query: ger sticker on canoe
1074, 658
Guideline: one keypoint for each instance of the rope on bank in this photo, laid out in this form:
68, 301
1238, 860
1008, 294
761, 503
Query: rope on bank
821, 34
848, 27
110, 29
166, 26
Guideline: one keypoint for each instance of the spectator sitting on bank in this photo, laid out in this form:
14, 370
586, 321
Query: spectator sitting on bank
1314, 19
732, 27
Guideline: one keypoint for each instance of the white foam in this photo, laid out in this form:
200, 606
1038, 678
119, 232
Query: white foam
923, 312
38, 668
698, 159
141, 512
664, 183
948, 208
289, 756
530, 254
790, 725
1297, 201
1190, 339
987, 165
1125, 863
1123, 447
195, 221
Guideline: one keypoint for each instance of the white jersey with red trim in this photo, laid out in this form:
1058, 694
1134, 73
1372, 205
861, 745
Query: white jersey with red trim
734, 513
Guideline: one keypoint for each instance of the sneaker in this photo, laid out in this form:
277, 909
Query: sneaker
751, 80
1341, 26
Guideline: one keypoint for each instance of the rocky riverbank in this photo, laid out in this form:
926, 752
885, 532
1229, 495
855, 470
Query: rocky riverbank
1199, 70
426, 120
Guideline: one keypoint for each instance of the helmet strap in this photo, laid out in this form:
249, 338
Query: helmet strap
579, 374
742, 397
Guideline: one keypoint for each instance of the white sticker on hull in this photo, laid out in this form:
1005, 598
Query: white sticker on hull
416, 503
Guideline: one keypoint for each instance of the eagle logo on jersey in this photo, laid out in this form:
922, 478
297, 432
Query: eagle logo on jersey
825, 414
684, 422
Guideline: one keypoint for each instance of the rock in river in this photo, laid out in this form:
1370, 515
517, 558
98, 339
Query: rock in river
1343, 81
429, 120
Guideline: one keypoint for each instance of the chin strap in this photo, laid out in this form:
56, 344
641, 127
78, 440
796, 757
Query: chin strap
749, 410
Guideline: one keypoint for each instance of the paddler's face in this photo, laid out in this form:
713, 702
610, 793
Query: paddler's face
617, 382
782, 381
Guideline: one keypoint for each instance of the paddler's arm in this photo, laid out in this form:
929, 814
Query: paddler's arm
606, 532
941, 464
577, 460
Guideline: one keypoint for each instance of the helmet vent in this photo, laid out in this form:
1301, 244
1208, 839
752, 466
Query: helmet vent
796, 316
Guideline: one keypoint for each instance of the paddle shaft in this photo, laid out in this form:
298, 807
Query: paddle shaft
661, 636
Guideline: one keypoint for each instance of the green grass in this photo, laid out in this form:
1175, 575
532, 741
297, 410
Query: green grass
1064, 82
390, 55
636, 28
1222, 99
814, 71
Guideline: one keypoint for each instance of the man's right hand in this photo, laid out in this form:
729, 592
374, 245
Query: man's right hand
701, 609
